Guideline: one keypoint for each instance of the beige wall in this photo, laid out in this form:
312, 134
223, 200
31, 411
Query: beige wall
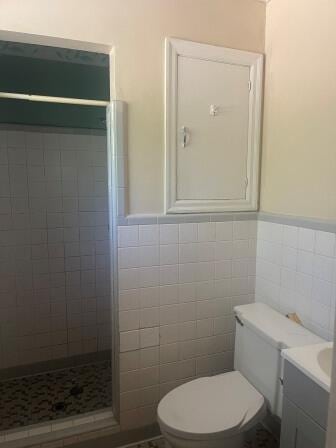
137, 28
299, 153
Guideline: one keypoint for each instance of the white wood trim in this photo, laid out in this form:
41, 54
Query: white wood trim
52, 41
53, 99
173, 49
113, 80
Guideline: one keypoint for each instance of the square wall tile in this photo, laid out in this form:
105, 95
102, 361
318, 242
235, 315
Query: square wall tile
149, 337
169, 233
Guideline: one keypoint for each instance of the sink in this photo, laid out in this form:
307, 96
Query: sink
314, 361
324, 358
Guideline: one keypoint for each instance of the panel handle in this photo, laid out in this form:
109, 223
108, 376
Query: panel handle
185, 136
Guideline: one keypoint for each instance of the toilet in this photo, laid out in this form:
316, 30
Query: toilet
219, 411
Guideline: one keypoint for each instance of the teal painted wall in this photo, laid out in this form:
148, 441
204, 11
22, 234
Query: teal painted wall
48, 114
52, 78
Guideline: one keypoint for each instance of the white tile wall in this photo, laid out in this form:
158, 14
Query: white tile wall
296, 272
178, 282
178, 285
54, 283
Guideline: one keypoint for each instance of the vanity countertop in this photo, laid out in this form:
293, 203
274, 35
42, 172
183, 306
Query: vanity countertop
315, 361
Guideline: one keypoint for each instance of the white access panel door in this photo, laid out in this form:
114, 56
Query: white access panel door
212, 118
213, 108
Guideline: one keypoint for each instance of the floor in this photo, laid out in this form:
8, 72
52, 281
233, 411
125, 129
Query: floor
53, 395
262, 439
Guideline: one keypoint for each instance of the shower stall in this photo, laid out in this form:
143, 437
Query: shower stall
57, 232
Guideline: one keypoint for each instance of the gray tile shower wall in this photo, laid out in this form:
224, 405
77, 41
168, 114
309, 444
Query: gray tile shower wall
178, 284
54, 260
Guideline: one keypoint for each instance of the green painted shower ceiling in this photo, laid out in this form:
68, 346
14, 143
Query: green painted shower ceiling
31, 75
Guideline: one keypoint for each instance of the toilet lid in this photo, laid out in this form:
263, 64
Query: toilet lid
208, 407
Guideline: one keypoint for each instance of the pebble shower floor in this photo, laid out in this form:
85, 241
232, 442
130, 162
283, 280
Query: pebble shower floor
58, 394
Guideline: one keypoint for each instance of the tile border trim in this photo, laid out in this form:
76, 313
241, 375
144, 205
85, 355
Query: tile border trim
324, 225
185, 218
299, 221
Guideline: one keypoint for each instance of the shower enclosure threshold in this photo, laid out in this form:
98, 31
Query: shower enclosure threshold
69, 427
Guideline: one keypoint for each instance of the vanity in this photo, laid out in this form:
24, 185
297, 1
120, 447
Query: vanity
306, 386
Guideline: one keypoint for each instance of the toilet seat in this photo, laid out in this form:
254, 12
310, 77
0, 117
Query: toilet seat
212, 407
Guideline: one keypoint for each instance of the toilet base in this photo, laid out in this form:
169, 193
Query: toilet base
236, 441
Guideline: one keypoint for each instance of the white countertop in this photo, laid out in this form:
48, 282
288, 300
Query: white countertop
306, 360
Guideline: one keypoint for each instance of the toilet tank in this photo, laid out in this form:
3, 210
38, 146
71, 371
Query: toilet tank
261, 334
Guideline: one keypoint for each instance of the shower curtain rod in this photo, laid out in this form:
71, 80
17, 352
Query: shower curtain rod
53, 99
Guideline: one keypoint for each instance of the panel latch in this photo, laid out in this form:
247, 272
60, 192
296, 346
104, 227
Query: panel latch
185, 136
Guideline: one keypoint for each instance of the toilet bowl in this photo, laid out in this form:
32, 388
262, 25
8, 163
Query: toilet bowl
219, 411
212, 412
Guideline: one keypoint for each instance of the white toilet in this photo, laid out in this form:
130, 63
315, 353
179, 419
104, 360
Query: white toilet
218, 411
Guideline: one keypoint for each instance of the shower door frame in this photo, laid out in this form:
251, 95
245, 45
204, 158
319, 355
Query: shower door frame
114, 120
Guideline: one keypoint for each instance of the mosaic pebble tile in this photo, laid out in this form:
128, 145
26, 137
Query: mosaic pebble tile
39, 398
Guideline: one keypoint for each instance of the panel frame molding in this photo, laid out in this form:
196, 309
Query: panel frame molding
255, 61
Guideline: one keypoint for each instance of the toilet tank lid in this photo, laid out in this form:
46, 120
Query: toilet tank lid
274, 327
